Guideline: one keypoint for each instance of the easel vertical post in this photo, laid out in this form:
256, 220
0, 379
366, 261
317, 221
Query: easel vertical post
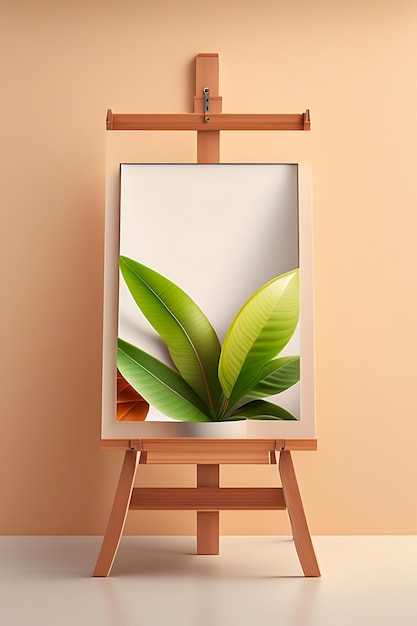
208, 151
207, 77
208, 521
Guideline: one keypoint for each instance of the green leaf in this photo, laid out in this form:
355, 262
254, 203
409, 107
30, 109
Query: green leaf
160, 385
277, 376
191, 339
261, 410
258, 333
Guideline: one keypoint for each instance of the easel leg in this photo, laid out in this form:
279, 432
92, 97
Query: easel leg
118, 515
301, 533
207, 521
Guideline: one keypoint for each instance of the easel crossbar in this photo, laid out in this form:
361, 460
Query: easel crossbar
217, 121
209, 446
207, 499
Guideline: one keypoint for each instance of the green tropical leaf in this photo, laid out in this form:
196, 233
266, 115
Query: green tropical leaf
191, 340
261, 410
277, 376
160, 385
258, 333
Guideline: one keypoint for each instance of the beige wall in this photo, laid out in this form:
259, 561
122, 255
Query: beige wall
64, 64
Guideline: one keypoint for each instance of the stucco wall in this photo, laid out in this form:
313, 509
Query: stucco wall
353, 64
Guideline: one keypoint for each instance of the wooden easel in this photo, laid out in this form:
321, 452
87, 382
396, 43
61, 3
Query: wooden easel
208, 498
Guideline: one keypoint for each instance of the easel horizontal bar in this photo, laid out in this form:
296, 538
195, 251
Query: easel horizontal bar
207, 446
217, 121
208, 458
207, 498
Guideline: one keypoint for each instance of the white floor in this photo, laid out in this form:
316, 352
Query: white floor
256, 581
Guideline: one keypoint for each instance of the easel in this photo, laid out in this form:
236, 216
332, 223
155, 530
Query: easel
208, 498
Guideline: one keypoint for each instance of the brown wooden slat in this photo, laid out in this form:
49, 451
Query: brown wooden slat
240, 449
208, 475
221, 446
207, 458
208, 147
208, 535
208, 151
207, 498
207, 76
207, 73
218, 121
207, 451
187, 444
208, 522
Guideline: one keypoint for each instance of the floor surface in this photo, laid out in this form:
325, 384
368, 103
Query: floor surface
255, 581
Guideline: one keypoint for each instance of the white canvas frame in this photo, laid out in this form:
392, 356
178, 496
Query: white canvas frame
179, 190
